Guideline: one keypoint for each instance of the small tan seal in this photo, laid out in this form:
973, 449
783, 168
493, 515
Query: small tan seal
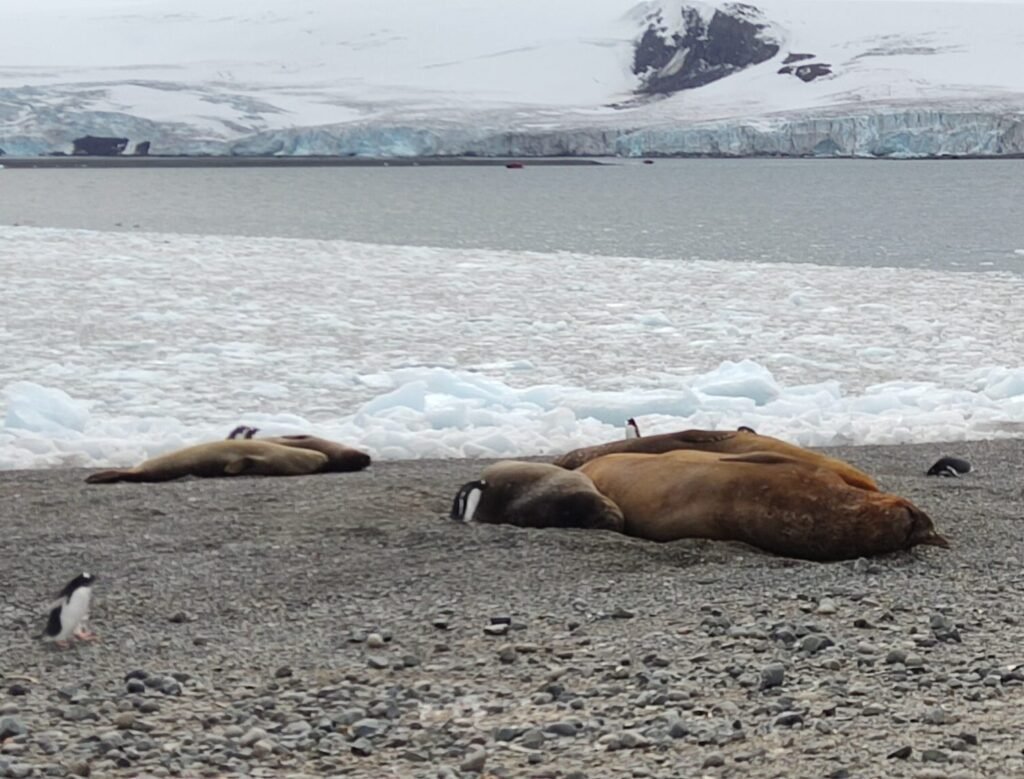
221, 458
771, 501
535, 495
740, 441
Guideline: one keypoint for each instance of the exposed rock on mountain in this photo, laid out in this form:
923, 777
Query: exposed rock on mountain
99, 146
807, 72
701, 51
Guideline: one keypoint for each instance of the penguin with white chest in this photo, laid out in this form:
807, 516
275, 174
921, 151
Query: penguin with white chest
70, 612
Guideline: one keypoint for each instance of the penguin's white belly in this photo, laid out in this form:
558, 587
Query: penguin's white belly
75, 612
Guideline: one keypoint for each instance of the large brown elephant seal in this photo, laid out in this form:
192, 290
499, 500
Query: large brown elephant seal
221, 458
740, 441
535, 495
771, 501
340, 458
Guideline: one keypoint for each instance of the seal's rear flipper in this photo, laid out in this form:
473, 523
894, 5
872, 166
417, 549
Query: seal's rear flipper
106, 477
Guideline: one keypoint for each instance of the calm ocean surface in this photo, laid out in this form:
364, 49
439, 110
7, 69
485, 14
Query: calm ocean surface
956, 215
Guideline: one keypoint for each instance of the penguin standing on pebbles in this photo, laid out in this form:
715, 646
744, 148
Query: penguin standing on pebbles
70, 612
632, 429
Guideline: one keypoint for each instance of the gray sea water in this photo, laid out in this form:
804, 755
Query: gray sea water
955, 214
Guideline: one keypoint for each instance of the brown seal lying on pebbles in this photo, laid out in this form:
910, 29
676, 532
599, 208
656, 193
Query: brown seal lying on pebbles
340, 458
740, 441
221, 458
777, 503
535, 495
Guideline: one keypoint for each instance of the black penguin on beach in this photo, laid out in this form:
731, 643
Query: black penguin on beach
949, 466
70, 611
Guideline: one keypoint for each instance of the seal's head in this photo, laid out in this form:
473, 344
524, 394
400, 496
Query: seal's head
922, 529
466, 500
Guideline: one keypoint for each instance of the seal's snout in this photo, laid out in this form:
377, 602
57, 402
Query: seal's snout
922, 529
466, 500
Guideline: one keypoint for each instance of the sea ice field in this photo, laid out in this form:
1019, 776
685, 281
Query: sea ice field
119, 346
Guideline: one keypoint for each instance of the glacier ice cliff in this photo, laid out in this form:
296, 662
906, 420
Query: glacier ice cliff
893, 133
899, 134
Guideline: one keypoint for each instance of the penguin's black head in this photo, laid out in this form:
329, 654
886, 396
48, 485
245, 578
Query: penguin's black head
745, 429
83, 579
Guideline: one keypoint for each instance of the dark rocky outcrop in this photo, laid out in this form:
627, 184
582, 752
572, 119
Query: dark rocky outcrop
791, 58
735, 38
99, 146
813, 71
142, 149
807, 72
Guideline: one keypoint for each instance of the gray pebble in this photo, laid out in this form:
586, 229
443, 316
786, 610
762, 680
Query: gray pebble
252, 736
566, 728
11, 726
368, 728
262, 748
773, 675
814, 643
474, 761
532, 739
714, 760
788, 719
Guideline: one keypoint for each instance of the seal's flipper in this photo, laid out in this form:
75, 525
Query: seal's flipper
243, 431
703, 436
240, 465
764, 458
107, 477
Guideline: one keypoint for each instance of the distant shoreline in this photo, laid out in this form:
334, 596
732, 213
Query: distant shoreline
130, 161
224, 161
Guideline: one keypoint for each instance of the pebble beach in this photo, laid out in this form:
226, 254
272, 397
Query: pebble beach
342, 625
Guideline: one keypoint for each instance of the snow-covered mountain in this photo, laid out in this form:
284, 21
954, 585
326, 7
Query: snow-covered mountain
421, 77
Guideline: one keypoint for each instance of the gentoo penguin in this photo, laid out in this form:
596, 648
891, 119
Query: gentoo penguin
70, 611
632, 429
949, 466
